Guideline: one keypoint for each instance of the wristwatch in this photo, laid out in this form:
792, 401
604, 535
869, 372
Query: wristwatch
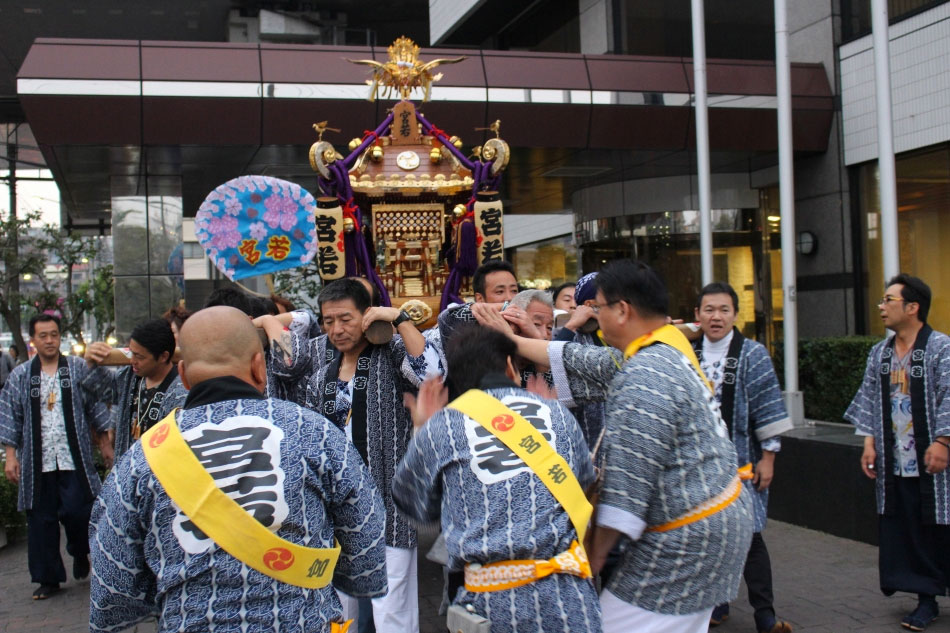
402, 318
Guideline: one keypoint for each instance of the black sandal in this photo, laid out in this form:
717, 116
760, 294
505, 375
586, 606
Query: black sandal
45, 591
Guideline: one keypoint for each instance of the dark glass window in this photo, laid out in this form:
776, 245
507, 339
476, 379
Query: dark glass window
856, 14
734, 30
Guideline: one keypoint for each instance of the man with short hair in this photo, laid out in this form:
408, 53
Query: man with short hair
46, 422
457, 471
563, 296
537, 308
494, 282
142, 393
225, 516
361, 390
903, 411
671, 492
752, 407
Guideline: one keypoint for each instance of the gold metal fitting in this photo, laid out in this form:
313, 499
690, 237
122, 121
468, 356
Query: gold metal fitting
459, 210
456, 141
356, 142
435, 156
377, 154
348, 225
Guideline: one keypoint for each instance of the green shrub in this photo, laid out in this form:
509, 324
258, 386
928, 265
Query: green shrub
12, 520
830, 370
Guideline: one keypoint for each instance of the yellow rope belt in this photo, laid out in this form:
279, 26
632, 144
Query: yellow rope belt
515, 573
711, 506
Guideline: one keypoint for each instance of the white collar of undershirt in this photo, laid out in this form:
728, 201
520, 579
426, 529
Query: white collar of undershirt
718, 348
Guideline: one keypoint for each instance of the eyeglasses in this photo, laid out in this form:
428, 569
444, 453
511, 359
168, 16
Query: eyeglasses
596, 307
888, 298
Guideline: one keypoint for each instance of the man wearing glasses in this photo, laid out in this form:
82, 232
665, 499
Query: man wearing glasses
903, 411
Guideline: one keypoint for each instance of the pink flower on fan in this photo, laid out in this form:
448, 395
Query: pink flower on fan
233, 206
280, 212
258, 230
224, 233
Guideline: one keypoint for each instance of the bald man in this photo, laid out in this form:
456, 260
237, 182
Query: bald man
252, 546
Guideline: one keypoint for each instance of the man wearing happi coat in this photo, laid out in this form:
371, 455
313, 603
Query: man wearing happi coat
491, 506
291, 470
361, 390
45, 424
753, 409
903, 411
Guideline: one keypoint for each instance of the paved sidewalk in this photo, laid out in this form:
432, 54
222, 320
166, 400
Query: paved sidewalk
823, 584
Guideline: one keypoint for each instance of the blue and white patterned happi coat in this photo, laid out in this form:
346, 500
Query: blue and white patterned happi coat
494, 508
112, 388
290, 382
148, 560
866, 415
16, 428
667, 452
758, 416
392, 372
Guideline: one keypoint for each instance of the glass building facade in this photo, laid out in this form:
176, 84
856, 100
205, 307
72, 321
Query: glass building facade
923, 215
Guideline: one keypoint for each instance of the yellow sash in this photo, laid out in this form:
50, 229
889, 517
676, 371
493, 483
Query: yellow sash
238, 533
670, 335
527, 443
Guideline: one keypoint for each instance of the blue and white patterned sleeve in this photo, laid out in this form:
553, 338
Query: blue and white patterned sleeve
942, 388
292, 365
862, 412
359, 517
417, 484
415, 369
637, 450
102, 383
767, 416
122, 588
582, 373
174, 398
584, 466
98, 414
11, 413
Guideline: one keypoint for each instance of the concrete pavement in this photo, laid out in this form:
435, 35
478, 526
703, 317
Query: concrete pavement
823, 584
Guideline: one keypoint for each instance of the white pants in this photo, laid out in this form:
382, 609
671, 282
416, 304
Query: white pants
623, 617
398, 610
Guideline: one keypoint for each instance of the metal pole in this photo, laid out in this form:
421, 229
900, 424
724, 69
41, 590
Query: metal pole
786, 175
702, 141
885, 143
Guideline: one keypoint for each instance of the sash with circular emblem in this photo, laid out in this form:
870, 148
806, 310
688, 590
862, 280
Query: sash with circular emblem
225, 522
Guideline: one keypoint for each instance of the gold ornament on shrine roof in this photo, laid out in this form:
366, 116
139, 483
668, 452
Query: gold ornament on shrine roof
403, 72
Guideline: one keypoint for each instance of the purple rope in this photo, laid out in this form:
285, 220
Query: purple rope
445, 141
351, 158
341, 182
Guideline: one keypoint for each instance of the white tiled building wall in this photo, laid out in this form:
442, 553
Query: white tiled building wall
920, 86
526, 229
445, 14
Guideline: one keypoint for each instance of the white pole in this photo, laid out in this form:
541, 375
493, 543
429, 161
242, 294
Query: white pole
702, 141
885, 144
786, 176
